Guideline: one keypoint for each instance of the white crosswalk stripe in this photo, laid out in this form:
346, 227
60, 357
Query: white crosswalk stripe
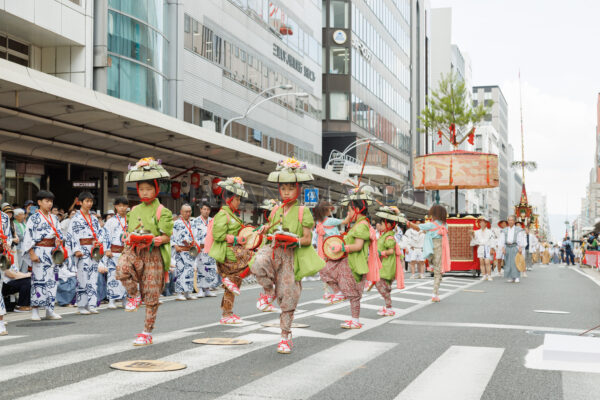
43, 344
309, 376
9, 337
72, 357
396, 298
123, 382
461, 373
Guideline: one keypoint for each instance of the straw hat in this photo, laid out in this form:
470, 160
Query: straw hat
390, 213
234, 185
362, 193
146, 169
290, 171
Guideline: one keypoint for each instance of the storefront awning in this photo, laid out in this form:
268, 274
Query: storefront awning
46, 117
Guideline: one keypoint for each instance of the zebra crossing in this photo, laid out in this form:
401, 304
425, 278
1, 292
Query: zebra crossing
326, 358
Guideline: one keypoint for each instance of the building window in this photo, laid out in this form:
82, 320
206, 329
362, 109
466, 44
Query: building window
13, 50
247, 68
338, 14
338, 106
488, 117
137, 49
338, 60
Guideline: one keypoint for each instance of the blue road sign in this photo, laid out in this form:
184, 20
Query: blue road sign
311, 195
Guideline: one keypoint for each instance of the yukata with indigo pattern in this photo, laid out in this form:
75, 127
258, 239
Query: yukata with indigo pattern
184, 262
114, 229
87, 269
206, 266
41, 237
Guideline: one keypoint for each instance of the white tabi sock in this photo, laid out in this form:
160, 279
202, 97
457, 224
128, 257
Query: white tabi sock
355, 320
1, 325
35, 312
146, 333
339, 293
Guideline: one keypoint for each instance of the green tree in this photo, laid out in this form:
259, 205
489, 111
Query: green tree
449, 112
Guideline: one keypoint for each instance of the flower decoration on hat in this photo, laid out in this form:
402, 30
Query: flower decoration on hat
146, 163
291, 164
234, 185
290, 170
147, 168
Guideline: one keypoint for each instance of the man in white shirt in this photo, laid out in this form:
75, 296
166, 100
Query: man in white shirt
414, 256
513, 242
484, 239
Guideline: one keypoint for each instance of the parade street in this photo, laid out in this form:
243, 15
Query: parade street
471, 345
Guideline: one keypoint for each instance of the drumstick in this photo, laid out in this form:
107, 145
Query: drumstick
272, 225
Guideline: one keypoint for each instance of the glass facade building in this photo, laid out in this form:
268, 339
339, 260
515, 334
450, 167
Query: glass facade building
367, 80
137, 49
251, 49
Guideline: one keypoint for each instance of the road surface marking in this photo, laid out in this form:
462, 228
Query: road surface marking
8, 337
461, 373
535, 360
596, 281
123, 383
296, 333
406, 300
344, 317
72, 357
552, 312
43, 344
483, 325
370, 306
417, 293
309, 376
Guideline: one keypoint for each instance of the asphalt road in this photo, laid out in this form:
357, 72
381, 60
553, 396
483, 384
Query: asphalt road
472, 345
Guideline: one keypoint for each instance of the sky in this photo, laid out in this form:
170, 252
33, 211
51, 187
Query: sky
554, 44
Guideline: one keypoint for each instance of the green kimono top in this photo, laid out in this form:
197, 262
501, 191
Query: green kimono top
358, 260
306, 260
388, 269
225, 223
162, 226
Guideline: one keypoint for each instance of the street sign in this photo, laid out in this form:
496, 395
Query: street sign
84, 184
311, 196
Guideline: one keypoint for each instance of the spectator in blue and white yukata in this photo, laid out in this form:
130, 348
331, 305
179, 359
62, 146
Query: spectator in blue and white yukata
115, 230
182, 240
206, 267
42, 237
19, 223
85, 231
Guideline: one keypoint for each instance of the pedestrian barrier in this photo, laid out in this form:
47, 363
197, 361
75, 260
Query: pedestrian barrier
592, 258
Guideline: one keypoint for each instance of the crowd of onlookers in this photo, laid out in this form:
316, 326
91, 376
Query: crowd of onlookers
17, 285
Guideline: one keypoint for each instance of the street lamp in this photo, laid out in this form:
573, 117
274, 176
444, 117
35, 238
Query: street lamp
253, 107
361, 141
336, 155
